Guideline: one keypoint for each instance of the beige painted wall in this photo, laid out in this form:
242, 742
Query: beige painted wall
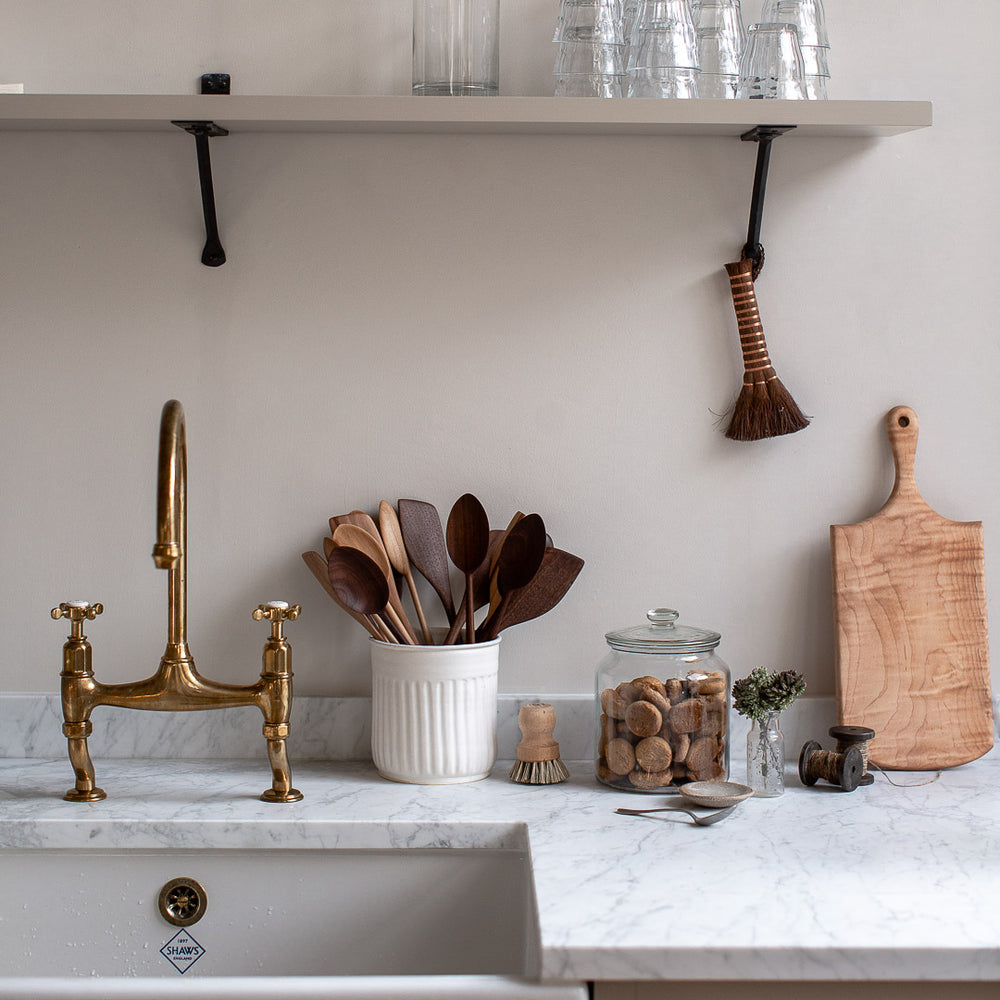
544, 321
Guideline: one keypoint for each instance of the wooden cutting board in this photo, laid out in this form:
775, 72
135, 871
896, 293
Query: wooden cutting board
912, 656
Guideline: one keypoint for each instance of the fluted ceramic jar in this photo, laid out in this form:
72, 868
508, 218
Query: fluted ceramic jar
434, 711
662, 706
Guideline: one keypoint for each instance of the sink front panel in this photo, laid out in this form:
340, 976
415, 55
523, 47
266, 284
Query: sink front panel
274, 912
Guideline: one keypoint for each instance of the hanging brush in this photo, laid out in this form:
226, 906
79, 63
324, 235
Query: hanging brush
538, 760
764, 407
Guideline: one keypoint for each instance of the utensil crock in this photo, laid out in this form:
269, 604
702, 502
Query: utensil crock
434, 711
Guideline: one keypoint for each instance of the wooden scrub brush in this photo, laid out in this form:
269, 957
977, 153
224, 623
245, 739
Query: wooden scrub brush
538, 760
764, 407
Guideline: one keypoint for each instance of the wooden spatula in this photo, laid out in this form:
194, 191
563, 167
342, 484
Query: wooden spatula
547, 588
424, 540
912, 659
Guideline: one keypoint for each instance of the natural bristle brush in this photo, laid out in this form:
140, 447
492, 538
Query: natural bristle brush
538, 760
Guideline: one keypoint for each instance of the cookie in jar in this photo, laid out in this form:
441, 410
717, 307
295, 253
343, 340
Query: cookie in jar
662, 706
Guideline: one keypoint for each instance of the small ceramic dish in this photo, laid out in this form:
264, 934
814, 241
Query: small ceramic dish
716, 794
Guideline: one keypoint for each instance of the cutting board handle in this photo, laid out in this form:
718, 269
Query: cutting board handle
902, 427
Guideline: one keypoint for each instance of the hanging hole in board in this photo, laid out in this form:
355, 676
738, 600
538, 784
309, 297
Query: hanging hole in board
904, 421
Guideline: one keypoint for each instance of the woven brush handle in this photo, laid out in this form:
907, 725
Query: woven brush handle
756, 363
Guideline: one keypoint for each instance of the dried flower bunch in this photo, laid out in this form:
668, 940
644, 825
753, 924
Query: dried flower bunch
764, 691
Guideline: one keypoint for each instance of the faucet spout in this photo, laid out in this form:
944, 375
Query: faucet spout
169, 552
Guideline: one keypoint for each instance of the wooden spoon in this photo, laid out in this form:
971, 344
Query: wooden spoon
518, 562
395, 550
361, 585
468, 538
317, 564
480, 587
546, 589
356, 517
424, 540
494, 593
354, 537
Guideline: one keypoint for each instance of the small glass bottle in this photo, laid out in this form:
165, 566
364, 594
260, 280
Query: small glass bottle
766, 756
662, 707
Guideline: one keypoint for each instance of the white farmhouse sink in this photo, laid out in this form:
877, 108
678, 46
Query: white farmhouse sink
281, 922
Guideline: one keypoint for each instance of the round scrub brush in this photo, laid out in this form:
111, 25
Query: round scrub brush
538, 760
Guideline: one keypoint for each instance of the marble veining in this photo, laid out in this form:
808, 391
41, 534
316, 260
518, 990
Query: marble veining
884, 883
323, 728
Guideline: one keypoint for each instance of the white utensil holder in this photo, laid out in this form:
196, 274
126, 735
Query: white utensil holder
434, 711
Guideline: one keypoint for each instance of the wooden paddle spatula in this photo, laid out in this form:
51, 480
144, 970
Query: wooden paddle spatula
912, 658
423, 536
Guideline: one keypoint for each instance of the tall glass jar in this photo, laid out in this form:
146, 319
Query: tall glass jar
662, 706
456, 48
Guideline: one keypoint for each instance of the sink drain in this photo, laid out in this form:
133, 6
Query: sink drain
183, 901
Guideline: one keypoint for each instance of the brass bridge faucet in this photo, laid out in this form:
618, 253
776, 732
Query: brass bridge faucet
176, 686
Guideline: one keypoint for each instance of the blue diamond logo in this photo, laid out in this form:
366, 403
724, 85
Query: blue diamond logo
182, 951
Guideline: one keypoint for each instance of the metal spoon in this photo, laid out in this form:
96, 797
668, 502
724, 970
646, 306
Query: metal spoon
701, 819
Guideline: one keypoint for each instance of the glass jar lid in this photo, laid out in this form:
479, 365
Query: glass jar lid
663, 635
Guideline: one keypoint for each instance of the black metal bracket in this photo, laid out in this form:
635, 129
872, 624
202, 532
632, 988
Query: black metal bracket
763, 135
213, 255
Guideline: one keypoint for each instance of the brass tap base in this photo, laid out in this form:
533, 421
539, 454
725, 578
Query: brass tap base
94, 795
292, 795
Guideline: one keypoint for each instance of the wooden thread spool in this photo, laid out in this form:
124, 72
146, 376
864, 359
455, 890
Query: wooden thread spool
859, 736
844, 769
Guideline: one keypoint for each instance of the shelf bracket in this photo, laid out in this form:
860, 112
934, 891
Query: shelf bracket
213, 255
763, 135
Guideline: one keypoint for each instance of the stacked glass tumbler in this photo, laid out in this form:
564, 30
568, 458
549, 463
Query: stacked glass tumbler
591, 55
809, 17
719, 29
662, 51
771, 66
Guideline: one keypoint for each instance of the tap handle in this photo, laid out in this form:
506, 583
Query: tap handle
77, 612
276, 612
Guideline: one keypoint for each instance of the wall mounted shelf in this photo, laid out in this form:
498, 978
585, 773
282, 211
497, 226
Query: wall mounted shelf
211, 115
464, 115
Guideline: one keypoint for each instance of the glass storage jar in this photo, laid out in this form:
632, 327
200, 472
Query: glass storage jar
662, 707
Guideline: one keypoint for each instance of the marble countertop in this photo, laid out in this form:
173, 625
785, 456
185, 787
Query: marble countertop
885, 883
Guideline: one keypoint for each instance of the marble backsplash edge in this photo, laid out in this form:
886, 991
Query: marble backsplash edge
323, 728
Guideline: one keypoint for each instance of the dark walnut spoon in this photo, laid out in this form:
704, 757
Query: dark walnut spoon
480, 587
545, 590
468, 539
362, 586
519, 560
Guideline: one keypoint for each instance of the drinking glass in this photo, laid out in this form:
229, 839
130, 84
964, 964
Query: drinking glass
590, 59
456, 47
590, 21
719, 30
771, 66
663, 51
630, 11
808, 16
